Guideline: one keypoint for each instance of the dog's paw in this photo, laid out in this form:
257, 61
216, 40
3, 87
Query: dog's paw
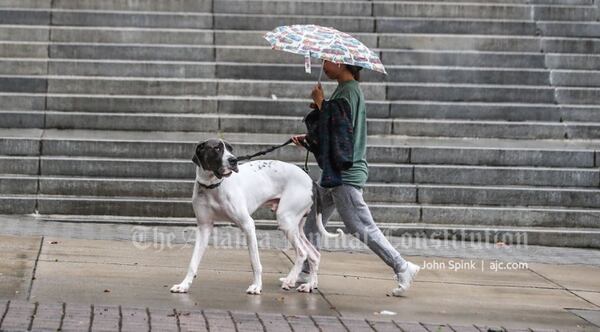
254, 289
288, 284
305, 288
180, 288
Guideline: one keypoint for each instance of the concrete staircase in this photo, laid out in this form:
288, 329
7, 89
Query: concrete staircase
489, 117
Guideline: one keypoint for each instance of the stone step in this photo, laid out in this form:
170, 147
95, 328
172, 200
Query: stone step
365, 24
441, 42
382, 149
188, 122
497, 11
488, 27
509, 196
571, 45
579, 96
268, 22
433, 74
20, 142
163, 52
443, 192
148, 5
450, 58
297, 8
521, 2
25, 3
23, 66
408, 9
178, 208
283, 125
143, 5
459, 26
18, 204
294, 107
22, 119
570, 29
21, 165
149, 86
573, 61
25, 16
555, 236
263, 54
160, 188
170, 104
493, 111
169, 69
379, 172
138, 5
422, 214
265, 15
293, 71
131, 35
402, 193
16, 49
18, 184
558, 236
496, 129
165, 168
477, 93
106, 18
579, 78
294, 89
565, 13
24, 33
62, 37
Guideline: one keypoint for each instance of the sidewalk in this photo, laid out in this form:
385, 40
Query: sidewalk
67, 274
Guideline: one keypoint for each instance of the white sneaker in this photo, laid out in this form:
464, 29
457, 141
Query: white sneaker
405, 279
303, 278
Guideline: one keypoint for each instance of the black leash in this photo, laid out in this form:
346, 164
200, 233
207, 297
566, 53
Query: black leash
271, 149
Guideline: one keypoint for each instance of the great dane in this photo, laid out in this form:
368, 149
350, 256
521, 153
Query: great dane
224, 191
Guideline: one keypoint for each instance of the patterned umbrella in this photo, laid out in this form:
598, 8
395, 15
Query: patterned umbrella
323, 43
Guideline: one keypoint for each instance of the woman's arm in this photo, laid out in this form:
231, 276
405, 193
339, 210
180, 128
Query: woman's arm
317, 96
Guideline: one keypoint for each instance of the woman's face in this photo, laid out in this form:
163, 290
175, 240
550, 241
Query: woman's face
332, 70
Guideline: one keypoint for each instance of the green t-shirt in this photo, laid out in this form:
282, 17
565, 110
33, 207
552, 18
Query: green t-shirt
357, 174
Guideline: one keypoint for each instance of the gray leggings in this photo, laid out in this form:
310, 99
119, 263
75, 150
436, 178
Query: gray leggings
349, 202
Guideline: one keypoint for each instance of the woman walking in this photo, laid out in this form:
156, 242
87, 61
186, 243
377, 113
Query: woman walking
347, 198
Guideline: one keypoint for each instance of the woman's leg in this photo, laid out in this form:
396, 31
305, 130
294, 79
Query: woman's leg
359, 222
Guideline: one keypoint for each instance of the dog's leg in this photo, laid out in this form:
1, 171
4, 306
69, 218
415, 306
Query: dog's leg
249, 228
293, 235
314, 257
202, 235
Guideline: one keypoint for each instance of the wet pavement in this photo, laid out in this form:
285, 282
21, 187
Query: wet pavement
52, 275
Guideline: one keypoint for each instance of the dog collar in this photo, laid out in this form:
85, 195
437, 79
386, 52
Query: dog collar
212, 186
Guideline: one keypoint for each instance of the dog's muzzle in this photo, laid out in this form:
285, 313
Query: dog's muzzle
233, 164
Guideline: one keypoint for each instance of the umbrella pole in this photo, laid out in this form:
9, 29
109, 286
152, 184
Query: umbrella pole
321, 72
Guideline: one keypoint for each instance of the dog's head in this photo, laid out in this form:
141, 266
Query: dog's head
216, 156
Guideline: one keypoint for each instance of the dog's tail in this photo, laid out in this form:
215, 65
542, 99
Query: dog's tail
319, 209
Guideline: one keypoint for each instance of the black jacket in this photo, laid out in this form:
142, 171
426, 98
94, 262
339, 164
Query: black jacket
330, 138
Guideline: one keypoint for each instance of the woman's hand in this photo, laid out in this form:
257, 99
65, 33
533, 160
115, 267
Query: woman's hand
298, 139
317, 95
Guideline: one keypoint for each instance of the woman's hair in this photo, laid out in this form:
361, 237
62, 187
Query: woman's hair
354, 70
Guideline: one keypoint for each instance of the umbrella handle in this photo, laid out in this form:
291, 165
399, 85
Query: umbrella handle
321, 72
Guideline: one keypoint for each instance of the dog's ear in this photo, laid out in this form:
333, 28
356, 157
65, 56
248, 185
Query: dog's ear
197, 158
228, 146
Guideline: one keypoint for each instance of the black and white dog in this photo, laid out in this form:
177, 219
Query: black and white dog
224, 191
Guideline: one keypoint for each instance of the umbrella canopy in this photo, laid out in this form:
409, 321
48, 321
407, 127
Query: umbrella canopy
323, 43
